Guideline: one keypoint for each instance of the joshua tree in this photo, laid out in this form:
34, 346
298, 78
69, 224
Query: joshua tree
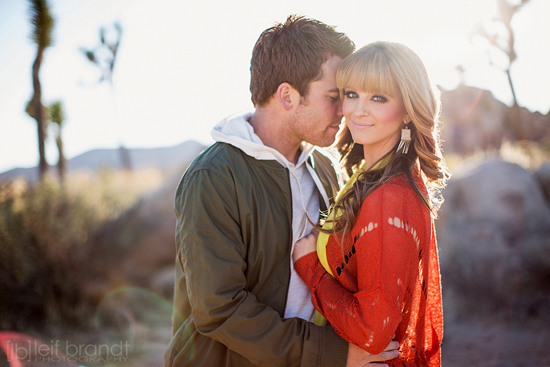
104, 57
42, 25
45, 115
58, 117
505, 42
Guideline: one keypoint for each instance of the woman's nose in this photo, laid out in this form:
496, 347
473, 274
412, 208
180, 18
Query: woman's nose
361, 109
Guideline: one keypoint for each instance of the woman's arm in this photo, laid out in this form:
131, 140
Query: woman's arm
386, 239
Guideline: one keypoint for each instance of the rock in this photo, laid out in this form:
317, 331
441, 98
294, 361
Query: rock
472, 120
163, 282
542, 176
494, 238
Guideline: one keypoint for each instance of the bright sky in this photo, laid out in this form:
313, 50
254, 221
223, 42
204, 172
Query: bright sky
184, 65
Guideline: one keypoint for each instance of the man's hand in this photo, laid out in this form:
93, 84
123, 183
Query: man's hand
359, 357
305, 245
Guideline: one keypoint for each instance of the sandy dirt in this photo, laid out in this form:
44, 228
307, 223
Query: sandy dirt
465, 344
484, 344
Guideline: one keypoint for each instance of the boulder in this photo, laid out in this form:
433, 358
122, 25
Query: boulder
473, 120
162, 282
494, 240
542, 176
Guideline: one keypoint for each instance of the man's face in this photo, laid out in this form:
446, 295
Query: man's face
318, 117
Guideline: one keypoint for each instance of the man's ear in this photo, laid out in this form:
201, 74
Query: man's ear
287, 96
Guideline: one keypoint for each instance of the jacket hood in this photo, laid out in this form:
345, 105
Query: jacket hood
237, 131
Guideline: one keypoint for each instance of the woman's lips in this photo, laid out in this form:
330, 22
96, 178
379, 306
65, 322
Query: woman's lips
361, 126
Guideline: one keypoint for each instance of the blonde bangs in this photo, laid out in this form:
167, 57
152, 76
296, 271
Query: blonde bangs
367, 72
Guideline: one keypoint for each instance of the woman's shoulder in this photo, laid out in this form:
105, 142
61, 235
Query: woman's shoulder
401, 185
398, 191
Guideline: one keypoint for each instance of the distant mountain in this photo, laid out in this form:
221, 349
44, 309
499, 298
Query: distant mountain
166, 159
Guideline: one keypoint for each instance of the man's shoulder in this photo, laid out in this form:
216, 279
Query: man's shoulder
327, 153
214, 166
325, 164
325, 156
216, 155
225, 159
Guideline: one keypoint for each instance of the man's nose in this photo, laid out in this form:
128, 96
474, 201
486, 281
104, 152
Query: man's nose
339, 111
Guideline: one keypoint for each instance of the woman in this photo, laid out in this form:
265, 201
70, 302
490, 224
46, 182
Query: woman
376, 270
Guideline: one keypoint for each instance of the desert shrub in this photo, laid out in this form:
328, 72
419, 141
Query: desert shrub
47, 250
527, 154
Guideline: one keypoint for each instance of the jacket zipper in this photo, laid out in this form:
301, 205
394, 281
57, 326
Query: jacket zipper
290, 244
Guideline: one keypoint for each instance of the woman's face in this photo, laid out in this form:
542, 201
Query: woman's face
374, 120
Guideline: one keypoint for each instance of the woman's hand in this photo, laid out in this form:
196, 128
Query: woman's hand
305, 245
360, 357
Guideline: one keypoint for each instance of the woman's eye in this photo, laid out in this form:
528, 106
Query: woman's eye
350, 94
379, 99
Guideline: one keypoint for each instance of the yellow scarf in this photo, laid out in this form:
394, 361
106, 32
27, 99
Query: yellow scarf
322, 239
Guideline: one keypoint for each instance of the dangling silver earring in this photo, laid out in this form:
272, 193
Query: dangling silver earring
405, 140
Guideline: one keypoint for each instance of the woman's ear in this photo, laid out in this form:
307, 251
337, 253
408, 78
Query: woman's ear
287, 96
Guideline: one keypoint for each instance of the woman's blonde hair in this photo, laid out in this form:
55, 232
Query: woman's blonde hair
392, 69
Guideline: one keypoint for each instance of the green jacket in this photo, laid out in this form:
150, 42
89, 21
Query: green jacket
233, 240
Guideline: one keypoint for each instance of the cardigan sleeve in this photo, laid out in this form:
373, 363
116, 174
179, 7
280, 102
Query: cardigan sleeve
385, 241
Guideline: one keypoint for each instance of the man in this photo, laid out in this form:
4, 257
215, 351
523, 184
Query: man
245, 201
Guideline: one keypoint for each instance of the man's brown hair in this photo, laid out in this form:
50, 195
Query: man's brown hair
293, 52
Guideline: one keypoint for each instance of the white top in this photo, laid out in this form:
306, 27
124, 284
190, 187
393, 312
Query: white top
237, 131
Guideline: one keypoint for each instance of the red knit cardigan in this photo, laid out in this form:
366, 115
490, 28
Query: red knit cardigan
386, 278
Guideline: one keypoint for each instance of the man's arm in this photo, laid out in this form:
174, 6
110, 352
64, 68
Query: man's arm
213, 256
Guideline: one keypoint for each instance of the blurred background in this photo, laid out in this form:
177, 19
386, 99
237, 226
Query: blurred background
104, 103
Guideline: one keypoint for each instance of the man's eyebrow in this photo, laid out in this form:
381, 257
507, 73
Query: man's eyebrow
334, 90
